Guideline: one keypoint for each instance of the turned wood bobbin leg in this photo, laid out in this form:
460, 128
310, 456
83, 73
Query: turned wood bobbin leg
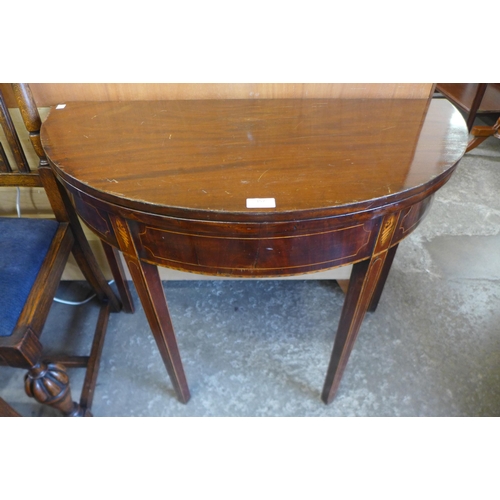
49, 384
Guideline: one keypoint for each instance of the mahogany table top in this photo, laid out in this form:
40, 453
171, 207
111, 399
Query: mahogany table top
204, 159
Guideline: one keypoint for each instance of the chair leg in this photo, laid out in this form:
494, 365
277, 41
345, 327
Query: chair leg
49, 384
115, 264
81, 249
94, 361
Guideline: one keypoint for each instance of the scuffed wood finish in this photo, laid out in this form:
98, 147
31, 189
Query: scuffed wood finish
167, 182
203, 159
50, 94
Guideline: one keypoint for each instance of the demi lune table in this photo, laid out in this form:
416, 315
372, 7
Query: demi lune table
255, 188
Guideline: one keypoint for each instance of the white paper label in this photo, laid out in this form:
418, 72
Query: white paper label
261, 203
60, 106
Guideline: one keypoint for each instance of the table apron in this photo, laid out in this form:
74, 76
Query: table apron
242, 249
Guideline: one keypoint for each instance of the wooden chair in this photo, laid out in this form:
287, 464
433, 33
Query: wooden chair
33, 254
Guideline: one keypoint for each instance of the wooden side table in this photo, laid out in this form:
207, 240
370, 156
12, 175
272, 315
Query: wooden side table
253, 189
473, 98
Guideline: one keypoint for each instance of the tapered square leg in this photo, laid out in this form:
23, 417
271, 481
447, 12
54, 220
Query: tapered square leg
147, 282
356, 304
115, 264
365, 287
150, 290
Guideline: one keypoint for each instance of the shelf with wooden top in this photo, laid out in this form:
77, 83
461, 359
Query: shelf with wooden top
473, 98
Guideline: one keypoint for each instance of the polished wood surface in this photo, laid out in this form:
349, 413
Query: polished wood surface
203, 159
50, 94
167, 183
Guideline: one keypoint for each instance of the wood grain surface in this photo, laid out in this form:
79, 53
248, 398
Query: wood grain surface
49, 94
204, 159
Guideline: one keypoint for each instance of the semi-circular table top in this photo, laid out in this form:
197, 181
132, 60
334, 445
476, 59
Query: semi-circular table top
204, 159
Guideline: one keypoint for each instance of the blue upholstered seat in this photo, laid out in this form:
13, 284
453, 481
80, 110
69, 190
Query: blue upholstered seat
24, 243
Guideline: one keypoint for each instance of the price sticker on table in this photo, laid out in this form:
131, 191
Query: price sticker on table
261, 203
